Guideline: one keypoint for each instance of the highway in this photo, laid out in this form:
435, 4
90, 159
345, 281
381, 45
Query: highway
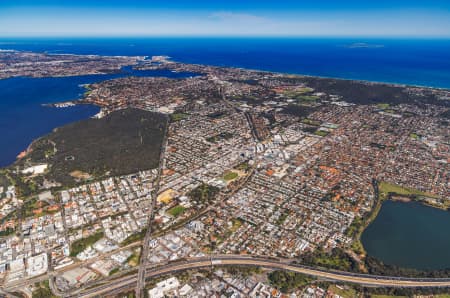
145, 245
128, 282
16, 285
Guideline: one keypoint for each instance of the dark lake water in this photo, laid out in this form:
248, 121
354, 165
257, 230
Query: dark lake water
410, 235
23, 118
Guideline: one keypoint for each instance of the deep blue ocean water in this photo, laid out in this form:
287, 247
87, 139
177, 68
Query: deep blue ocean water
22, 118
418, 62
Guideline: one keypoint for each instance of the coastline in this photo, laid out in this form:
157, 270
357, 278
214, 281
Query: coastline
373, 199
70, 92
303, 75
61, 105
142, 58
82, 97
81, 100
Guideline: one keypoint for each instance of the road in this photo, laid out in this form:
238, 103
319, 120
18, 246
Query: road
140, 280
17, 285
145, 245
128, 282
7, 294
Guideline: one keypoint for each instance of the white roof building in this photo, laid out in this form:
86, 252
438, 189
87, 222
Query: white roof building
37, 265
185, 290
164, 286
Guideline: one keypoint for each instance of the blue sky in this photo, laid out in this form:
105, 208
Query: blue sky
425, 18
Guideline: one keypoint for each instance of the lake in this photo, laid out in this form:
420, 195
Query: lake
410, 235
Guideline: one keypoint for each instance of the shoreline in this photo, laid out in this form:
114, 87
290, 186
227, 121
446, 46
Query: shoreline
391, 84
143, 58
382, 198
62, 105
77, 100
378, 262
82, 97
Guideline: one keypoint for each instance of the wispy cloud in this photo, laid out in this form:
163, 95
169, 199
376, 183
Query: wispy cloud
228, 22
228, 16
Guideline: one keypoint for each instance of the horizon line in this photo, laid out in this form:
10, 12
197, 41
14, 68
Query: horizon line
232, 36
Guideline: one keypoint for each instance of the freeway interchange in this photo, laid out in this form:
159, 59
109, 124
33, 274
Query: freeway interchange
128, 282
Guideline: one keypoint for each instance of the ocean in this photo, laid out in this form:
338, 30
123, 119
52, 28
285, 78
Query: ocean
424, 62
418, 62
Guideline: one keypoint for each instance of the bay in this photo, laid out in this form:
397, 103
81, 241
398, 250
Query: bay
23, 116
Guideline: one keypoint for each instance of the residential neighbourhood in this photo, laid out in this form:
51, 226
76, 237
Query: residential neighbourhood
241, 173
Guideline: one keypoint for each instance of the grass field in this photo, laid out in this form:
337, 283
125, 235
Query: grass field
230, 176
344, 292
133, 260
237, 223
414, 136
321, 133
389, 296
307, 98
221, 136
302, 94
311, 122
176, 211
178, 116
332, 262
400, 190
383, 105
